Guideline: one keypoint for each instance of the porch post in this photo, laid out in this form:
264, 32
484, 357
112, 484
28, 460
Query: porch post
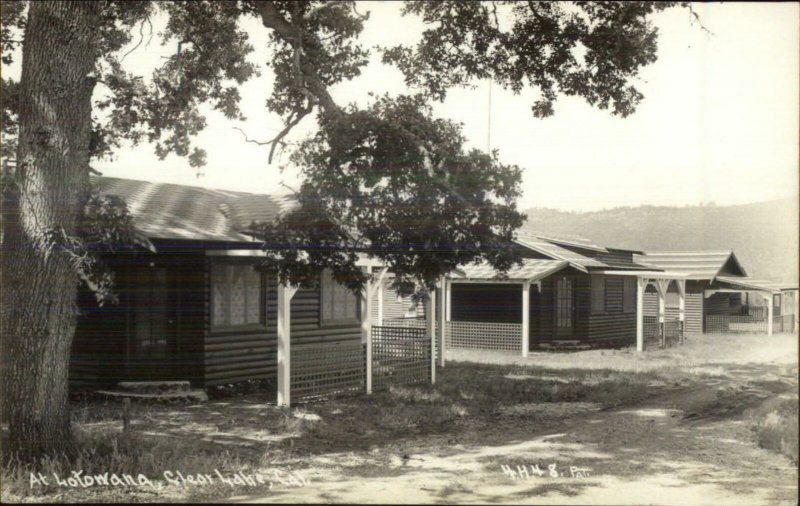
430, 321
682, 307
285, 294
526, 324
641, 284
379, 287
661, 287
366, 329
442, 322
448, 297
770, 313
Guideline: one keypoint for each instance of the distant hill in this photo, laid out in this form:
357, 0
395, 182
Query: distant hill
763, 235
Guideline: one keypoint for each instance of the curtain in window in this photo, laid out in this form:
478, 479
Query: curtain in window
338, 303
235, 295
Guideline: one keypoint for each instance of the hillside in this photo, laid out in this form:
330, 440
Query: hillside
764, 235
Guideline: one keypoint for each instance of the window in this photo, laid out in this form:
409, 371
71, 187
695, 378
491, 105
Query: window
598, 295
237, 296
629, 295
613, 297
338, 303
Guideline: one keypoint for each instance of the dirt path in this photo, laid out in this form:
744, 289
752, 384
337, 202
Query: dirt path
687, 445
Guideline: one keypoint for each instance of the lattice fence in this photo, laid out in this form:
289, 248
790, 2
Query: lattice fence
416, 323
652, 334
673, 335
735, 324
484, 336
400, 356
656, 336
326, 369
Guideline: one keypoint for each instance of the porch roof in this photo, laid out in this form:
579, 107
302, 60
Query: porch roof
697, 264
761, 285
531, 270
648, 274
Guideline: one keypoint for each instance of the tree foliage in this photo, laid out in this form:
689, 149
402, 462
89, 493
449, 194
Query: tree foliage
392, 174
588, 49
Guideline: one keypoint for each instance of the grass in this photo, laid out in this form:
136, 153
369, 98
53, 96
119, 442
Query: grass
241, 431
775, 424
701, 351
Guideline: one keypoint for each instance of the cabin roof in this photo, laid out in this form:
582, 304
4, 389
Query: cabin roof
532, 269
749, 283
700, 265
173, 211
554, 249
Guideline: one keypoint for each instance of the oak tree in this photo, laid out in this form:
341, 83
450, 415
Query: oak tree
389, 178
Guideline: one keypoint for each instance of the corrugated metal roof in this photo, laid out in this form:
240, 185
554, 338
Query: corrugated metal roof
556, 252
756, 284
531, 270
172, 211
698, 264
573, 241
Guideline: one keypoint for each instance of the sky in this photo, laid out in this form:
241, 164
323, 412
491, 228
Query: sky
718, 124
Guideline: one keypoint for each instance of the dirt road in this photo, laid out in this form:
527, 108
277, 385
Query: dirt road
688, 444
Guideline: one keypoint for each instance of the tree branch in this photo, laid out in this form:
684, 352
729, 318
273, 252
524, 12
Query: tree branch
312, 84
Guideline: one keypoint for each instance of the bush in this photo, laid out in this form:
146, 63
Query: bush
774, 426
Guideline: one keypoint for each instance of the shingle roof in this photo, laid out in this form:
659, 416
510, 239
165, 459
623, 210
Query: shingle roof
530, 270
172, 211
698, 264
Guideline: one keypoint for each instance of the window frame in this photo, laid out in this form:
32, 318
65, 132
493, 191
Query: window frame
613, 309
597, 304
336, 322
629, 288
262, 305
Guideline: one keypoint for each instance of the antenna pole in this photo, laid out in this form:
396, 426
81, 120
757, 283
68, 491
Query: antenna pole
489, 120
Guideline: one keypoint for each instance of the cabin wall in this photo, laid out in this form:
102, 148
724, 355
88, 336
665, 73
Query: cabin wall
103, 348
102, 354
239, 356
394, 306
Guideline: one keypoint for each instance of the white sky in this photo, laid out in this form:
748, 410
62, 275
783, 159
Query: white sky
719, 121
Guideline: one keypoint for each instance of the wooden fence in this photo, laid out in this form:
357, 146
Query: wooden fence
323, 370
400, 356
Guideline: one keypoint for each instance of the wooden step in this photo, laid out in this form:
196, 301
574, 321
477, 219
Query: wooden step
153, 387
183, 396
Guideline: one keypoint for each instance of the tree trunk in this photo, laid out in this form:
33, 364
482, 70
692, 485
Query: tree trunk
38, 295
